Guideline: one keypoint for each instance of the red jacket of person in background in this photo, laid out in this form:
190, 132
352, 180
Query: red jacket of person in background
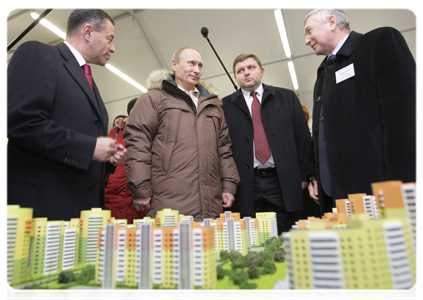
118, 196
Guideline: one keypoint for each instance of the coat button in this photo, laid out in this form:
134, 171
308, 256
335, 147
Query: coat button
248, 166
318, 99
321, 119
97, 122
247, 139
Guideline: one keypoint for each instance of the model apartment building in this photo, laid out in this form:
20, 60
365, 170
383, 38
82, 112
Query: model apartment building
372, 248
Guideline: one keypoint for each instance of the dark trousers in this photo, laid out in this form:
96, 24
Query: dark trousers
310, 208
327, 203
268, 198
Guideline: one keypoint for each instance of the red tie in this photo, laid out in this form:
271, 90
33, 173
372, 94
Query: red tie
260, 139
87, 71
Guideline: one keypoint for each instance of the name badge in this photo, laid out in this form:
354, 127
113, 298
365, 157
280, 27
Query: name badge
344, 73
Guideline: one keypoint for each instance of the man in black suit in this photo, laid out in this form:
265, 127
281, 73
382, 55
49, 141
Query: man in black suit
57, 121
364, 112
271, 148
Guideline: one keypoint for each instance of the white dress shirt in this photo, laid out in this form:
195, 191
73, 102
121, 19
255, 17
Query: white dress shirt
194, 94
249, 100
75, 53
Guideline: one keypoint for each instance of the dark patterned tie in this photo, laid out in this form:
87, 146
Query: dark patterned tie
260, 139
87, 71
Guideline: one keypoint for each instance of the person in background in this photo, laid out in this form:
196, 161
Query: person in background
57, 122
307, 115
364, 108
118, 195
179, 154
311, 208
270, 143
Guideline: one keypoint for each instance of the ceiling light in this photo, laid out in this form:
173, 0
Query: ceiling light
293, 75
282, 32
50, 26
125, 77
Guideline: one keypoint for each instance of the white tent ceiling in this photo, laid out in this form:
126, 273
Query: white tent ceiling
145, 40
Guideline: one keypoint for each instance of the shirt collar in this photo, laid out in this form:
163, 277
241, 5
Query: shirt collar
194, 92
340, 44
259, 91
76, 53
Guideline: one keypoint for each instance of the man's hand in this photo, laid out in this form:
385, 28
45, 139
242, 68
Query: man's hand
228, 199
313, 190
119, 156
141, 205
104, 149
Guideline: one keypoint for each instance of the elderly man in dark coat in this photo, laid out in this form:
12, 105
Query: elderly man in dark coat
364, 112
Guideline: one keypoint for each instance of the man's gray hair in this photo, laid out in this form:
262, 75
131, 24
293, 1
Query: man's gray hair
322, 15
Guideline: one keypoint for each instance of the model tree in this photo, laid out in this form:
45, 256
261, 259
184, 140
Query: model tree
238, 263
239, 276
269, 267
254, 272
279, 255
253, 259
65, 277
220, 272
87, 274
224, 255
233, 255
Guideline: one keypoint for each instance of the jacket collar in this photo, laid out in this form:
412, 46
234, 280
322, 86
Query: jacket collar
346, 49
170, 86
239, 100
349, 45
267, 90
74, 69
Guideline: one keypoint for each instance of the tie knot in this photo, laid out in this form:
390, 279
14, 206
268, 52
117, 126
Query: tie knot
87, 69
331, 58
253, 94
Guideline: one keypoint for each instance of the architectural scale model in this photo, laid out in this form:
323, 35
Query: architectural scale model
169, 251
369, 243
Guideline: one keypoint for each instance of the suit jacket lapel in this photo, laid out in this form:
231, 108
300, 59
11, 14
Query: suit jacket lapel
239, 100
71, 64
267, 91
102, 108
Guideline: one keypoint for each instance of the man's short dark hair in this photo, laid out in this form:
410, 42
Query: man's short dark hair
80, 17
244, 56
131, 105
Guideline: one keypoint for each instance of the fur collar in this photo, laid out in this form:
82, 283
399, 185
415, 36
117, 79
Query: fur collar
155, 81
